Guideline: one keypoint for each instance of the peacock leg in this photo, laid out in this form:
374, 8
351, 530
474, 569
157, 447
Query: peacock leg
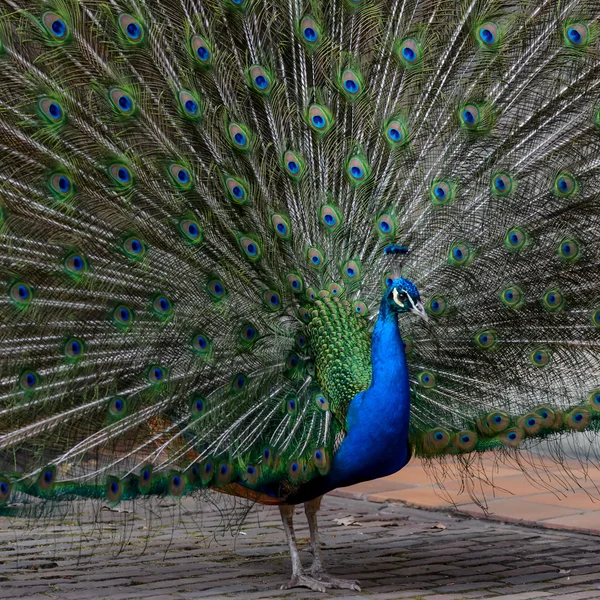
317, 570
299, 579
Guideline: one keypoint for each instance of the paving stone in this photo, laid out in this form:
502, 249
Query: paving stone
397, 552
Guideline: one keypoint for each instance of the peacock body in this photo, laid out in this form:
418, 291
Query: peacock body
215, 217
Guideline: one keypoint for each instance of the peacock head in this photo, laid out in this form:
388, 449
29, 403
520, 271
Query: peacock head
402, 295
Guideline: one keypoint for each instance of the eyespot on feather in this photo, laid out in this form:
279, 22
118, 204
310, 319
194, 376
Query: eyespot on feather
122, 316
201, 51
335, 289
73, 349
351, 271
426, 379
121, 175
576, 35
117, 407
189, 105
20, 294
162, 306
239, 136
578, 419
358, 170
156, 375
131, 28
272, 300
190, 231
459, 255
180, 176
565, 185
295, 282
409, 51
216, 288
464, 441
469, 116
176, 484
51, 110
486, 339
386, 225
61, 186
249, 333
512, 438
547, 415
310, 32
237, 190
251, 474
512, 297
395, 133
250, 247
239, 383
488, 35
330, 217
76, 265
553, 300
315, 258
261, 80
122, 102
295, 469
134, 247
281, 226
29, 380
113, 490
436, 441
224, 473
540, 357
47, 479
207, 468
531, 423
5, 489
197, 406
319, 119
360, 308
321, 460
304, 314
441, 192
146, 477
351, 84
201, 344
293, 164
569, 250
436, 305
56, 26
593, 400
502, 183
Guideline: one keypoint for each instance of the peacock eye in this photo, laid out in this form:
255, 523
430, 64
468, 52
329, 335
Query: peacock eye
403, 296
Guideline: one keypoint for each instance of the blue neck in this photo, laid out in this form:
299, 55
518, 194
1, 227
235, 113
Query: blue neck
377, 423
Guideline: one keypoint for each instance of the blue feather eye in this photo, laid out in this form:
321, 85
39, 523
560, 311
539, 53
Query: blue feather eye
47, 479
426, 379
239, 136
469, 116
512, 297
395, 133
75, 264
216, 288
197, 406
162, 307
133, 247
250, 247
131, 29
594, 400
358, 169
272, 300
351, 270
122, 101
260, 79
156, 374
515, 238
201, 344
201, 51
5, 490
121, 175
596, 318
237, 190
190, 230
488, 35
321, 401
409, 51
569, 249
56, 26
502, 183
73, 349
442, 192
553, 300
295, 282
576, 35
239, 382
189, 105
436, 305
51, 110
319, 119
315, 258
310, 32
293, 164
386, 225
60, 185
351, 84
565, 185
29, 380
360, 308
330, 217
487, 339
248, 334
281, 225
20, 294
459, 254
540, 357
291, 405
122, 316
180, 176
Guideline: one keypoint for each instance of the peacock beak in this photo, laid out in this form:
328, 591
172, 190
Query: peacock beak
419, 310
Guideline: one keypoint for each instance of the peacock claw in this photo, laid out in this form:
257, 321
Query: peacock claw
301, 580
334, 582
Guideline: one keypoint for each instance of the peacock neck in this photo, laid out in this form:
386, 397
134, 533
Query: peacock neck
376, 443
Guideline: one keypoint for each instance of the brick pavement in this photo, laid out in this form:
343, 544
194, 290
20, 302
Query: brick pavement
555, 499
395, 551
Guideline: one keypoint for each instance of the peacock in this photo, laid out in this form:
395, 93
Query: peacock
276, 247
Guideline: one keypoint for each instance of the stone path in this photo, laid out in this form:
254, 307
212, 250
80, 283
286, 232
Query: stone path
396, 552
556, 499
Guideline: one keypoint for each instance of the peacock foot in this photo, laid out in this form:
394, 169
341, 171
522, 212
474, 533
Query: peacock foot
301, 580
333, 582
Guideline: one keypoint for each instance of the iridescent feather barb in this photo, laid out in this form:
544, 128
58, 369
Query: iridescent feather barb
195, 205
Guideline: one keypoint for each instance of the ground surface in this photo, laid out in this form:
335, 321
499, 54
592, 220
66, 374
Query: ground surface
395, 552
